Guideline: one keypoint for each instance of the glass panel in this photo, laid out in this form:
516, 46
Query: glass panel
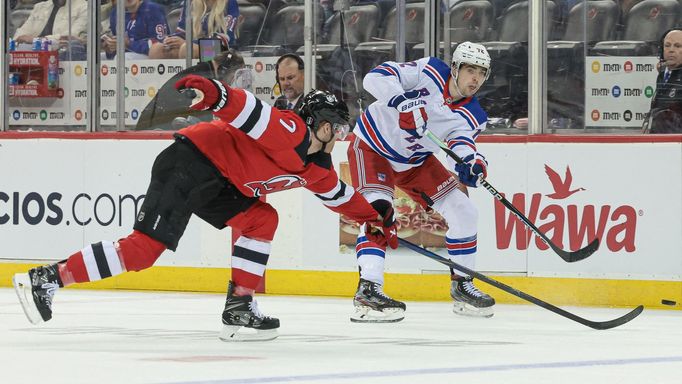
566, 66
46, 65
602, 65
621, 66
357, 36
154, 53
502, 27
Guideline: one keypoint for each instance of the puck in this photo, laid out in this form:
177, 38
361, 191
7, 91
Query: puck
668, 302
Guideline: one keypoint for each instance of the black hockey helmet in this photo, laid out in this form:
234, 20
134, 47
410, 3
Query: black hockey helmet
318, 106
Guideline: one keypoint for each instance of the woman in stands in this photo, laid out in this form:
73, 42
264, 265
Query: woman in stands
210, 18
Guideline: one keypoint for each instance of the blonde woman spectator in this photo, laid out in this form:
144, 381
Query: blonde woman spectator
210, 18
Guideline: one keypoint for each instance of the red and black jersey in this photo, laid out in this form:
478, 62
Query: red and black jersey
262, 150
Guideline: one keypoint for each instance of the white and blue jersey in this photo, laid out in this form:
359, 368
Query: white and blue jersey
456, 123
144, 27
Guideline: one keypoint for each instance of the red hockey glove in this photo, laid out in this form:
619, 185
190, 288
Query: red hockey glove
414, 122
211, 94
388, 235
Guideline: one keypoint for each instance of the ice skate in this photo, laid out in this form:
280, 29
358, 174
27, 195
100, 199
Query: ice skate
372, 305
469, 301
35, 291
242, 321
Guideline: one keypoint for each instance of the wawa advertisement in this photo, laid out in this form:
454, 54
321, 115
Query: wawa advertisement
625, 194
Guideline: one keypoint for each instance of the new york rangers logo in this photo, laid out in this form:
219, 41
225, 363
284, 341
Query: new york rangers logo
275, 184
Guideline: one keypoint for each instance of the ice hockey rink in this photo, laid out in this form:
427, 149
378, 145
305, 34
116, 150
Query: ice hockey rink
159, 337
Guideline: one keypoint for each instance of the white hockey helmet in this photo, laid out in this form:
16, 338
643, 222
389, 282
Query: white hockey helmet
473, 54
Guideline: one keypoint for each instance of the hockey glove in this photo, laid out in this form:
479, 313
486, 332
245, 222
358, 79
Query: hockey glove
412, 114
471, 171
414, 122
388, 235
211, 94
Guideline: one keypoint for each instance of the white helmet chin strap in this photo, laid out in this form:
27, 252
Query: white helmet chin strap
455, 72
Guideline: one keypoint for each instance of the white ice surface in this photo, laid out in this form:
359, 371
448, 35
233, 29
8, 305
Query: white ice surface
149, 337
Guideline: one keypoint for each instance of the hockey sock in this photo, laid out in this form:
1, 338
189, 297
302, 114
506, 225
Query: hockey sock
94, 262
462, 251
249, 258
371, 258
105, 259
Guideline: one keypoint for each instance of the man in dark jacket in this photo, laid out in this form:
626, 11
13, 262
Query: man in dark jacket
665, 115
168, 111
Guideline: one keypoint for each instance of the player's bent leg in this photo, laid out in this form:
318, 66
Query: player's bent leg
36, 290
372, 305
243, 321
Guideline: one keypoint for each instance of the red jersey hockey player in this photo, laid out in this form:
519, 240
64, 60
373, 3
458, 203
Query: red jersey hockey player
217, 170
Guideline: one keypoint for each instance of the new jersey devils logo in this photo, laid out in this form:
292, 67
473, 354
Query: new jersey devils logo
275, 184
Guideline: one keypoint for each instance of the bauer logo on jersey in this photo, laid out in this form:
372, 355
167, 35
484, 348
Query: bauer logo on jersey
275, 184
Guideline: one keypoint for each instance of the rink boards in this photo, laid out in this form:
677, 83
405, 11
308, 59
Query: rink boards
62, 191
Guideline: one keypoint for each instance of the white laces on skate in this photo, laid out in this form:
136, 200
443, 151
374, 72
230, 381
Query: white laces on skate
469, 288
379, 289
50, 289
253, 307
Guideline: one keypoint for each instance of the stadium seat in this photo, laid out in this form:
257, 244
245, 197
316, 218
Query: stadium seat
600, 23
371, 54
471, 21
361, 23
249, 24
644, 24
282, 33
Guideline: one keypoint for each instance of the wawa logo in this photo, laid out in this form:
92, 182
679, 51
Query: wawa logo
275, 184
563, 222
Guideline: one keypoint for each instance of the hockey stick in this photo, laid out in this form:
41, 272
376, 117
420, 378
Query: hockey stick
568, 257
592, 324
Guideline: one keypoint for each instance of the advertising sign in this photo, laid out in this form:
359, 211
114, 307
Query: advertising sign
143, 78
618, 90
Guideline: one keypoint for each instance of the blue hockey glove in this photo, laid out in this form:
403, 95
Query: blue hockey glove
471, 172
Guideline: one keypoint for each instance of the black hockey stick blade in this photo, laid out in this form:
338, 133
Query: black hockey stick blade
569, 257
583, 253
600, 325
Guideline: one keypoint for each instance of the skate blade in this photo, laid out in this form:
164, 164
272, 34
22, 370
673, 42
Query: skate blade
464, 309
364, 314
22, 286
231, 333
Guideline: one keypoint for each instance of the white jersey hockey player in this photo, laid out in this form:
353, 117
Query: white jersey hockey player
390, 150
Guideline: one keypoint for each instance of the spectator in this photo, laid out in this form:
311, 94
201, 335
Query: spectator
145, 25
168, 111
210, 18
665, 115
51, 19
289, 77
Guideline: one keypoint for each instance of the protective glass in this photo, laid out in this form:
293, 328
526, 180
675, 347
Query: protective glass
341, 130
243, 78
